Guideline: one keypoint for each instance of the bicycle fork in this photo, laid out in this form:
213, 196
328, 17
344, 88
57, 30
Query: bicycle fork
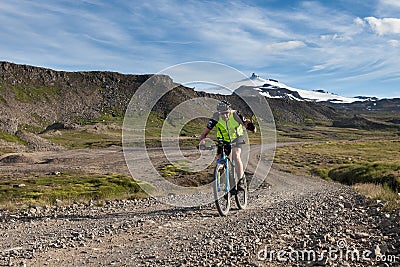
227, 183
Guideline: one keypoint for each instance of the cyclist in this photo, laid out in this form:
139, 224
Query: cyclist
229, 125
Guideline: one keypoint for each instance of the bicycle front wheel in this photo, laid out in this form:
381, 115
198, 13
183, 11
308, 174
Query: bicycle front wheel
241, 194
221, 190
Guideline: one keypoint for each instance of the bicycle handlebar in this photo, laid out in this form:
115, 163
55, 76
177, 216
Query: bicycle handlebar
204, 147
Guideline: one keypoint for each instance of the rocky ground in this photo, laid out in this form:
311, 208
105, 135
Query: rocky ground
290, 221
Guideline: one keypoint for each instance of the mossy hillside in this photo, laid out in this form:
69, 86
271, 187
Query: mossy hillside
108, 117
34, 94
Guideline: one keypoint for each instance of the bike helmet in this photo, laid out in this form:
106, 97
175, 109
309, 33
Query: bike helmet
223, 106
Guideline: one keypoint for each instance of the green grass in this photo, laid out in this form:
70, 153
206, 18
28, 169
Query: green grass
106, 118
378, 173
29, 95
31, 128
154, 124
296, 133
333, 154
3, 100
11, 138
68, 188
38, 119
348, 162
180, 167
73, 139
180, 173
8, 148
380, 192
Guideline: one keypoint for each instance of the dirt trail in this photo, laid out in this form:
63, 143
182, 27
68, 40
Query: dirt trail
288, 214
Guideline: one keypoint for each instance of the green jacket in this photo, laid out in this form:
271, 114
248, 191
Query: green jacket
229, 130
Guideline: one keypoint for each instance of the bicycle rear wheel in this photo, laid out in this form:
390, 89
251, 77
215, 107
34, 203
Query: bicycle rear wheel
221, 190
241, 194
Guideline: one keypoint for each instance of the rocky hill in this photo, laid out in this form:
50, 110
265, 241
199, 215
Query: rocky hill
33, 98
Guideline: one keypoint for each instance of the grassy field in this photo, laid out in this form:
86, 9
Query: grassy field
366, 159
66, 188
74, 139
316, 133
371, 166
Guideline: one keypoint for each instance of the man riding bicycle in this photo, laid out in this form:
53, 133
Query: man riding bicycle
229, 125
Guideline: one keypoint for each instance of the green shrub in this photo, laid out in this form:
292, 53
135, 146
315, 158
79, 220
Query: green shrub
323, 173
377, 173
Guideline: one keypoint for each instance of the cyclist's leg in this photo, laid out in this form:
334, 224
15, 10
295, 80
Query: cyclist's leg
219, 154
236, 153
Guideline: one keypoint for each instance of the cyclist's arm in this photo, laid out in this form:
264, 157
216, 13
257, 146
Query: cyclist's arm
203, 135
248, 124
210, 125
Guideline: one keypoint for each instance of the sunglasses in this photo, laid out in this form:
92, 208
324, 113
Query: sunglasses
224, 113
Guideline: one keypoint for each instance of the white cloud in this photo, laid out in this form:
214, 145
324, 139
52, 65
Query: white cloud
394, 43
359, 21
390, 3
283, 46
317, 68
335, 37
384, 26
387, 9
137, 37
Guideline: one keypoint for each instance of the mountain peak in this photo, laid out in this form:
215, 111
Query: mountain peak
254, 76
272, 88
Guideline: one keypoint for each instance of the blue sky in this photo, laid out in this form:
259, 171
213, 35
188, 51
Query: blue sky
346, 47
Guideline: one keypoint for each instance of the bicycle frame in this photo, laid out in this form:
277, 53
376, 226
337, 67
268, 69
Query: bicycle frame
224, 160
224, 165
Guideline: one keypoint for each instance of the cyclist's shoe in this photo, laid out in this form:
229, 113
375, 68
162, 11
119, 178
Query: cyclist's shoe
233, 191
240, 184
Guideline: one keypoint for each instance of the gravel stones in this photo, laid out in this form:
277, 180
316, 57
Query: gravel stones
295, 217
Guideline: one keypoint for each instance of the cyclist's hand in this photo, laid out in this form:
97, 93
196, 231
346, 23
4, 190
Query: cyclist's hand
250, 126
202, 144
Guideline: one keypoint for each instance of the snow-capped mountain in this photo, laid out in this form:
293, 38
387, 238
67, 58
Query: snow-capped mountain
274, 89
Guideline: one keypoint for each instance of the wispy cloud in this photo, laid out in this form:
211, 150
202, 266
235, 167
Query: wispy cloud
384, 26
308, 40
394, 43
283, 46
387, 8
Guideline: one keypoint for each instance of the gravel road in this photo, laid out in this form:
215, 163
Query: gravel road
290, 221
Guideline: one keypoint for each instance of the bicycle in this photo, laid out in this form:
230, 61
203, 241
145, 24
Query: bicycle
224, 176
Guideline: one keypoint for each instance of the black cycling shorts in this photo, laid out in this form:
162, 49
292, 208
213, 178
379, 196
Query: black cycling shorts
238, 142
